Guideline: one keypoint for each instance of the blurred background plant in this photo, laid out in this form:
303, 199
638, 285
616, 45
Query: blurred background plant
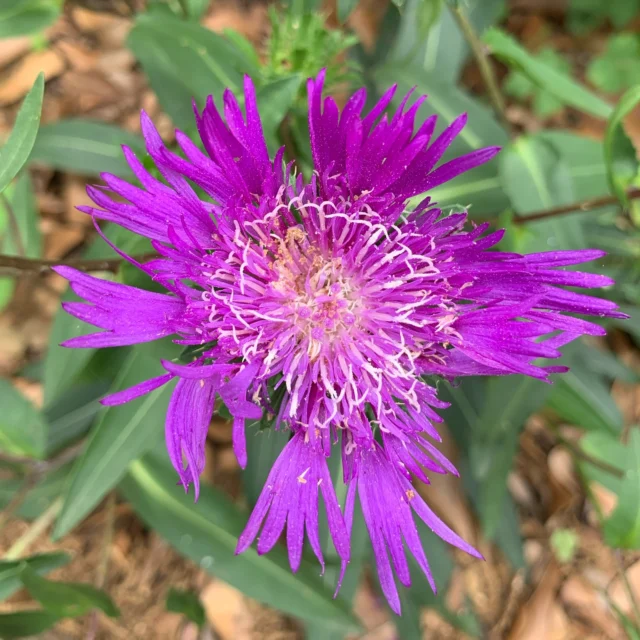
550, 488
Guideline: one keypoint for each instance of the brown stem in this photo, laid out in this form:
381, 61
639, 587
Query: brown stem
13, 225
484, 64
585, 457
37, 469
16, 266
582, 206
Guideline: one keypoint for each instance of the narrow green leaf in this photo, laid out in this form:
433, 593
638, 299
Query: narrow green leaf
274, 101
17, 148
561, 85
535, 177
25, 624
618, 68
187, 603
608, 449
263, 448
620, 156
86, 147
580, 398
345, 9
63, 365
207, 532
10, 570
22, 201
121, 435
22, 429
437, 47
508, 402
197, 8
22, 17
66, 599
583, 157
622, 528
194, 60
40, 498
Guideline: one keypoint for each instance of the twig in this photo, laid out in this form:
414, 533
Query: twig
13, 225
486, 70
625, 581
583, 205
101, 575
15, 266
36, 528
18, 498
579, 453
37, 469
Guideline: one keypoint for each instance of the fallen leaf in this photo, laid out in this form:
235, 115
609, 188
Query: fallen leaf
23, 75
542, 616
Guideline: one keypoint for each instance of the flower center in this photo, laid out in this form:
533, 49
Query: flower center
322, 299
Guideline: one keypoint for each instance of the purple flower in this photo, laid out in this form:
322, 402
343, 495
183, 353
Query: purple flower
326, 303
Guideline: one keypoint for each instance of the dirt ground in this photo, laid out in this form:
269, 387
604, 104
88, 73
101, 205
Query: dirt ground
91, 73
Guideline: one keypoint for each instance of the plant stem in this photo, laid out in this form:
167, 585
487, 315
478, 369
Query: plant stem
36, 528
582, 455
484, 64
15, 266
38, 469
582, 206
628, 588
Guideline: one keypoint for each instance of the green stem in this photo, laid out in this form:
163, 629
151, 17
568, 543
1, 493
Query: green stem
486, 70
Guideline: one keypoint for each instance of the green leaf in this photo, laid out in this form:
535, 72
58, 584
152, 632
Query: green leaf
207, 532
17, 148
564, 543
188, 604
40, 497
622, 528
22, 429
63, 365
620, 156
483, 423
618, 68
22, 17
86, 147
561, 85
535, 177
580, 398
23, 203
196, 8
586, 15
606, 448
622, 11
507, 404
345, 9
10, 570
583, 157
122, 434
263, 448
184, 61
438, 48
66, 599
518, 84
26, 624
274, 101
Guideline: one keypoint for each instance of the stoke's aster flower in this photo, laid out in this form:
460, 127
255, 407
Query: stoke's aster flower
326, 304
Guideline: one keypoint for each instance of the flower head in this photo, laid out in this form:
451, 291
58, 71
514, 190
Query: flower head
327, 304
